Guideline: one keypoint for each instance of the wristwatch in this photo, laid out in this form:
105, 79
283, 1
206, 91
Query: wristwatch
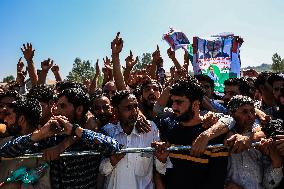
74, 127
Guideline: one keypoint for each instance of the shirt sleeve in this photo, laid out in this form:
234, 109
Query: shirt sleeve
101, 142
17, 146
227, 120
106, 167
162, 167
272, 176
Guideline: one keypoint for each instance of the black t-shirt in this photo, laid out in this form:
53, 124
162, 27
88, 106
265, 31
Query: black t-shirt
207, 171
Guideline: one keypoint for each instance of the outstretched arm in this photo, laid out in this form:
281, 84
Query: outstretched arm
116, 46
28, 53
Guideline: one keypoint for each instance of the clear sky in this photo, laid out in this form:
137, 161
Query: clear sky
66, 29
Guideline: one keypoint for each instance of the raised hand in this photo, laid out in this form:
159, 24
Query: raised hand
171, 53
97, 69
21, 75
20, 65
117, 44
28, 52
130, 62
46, 65
107, 66
55, 68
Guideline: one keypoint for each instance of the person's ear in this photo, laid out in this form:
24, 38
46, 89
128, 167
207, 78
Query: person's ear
195, 106
79, 110
21, 120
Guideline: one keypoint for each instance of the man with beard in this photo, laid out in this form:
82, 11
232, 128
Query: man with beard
150, 92
101, 108
277, 82
259, 167
204, 170
71, 172
22, 118
131, 170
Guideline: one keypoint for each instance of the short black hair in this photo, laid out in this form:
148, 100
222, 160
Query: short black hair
274, 77
77, 97
205, 78
119, 96
42, 93
242, 83
10, 93
62, 85
30, 108
261, 79
190, 88
237, 101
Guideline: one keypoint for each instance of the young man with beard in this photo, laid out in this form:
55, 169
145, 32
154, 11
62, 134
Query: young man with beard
22, 118
131, 170
204, 170
68, 172
101, 108
256, 168
150, 92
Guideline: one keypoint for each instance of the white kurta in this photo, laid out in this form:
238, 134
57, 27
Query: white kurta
134, 170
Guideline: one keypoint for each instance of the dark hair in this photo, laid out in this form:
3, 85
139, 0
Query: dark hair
205, 78
10, 93
242, 83
189, 88
119, 96
138, 91
77, 97
42, 93
274, 77
237, 101
62, 85
261, 79
30, 108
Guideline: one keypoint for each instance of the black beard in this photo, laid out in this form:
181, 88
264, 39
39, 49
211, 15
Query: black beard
147, 104
14, 130
186, 116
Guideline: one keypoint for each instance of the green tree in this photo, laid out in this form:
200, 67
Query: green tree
146, 59
81, 71
8, 79
277, 63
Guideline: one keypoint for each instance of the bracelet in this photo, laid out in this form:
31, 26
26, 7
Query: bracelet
74, 127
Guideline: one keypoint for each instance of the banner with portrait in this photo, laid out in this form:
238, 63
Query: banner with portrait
176, 39
216, 57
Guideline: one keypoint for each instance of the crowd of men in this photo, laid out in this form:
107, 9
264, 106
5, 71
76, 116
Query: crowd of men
138, 109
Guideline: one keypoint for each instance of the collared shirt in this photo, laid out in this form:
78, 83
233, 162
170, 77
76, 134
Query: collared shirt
134, 170
252, 169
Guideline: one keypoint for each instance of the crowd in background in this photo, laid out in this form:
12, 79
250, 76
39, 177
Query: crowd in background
137, 109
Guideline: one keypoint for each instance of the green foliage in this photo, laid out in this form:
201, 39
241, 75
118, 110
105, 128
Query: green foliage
260, 68
277, 63
146, 59
81, 71
8, 79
